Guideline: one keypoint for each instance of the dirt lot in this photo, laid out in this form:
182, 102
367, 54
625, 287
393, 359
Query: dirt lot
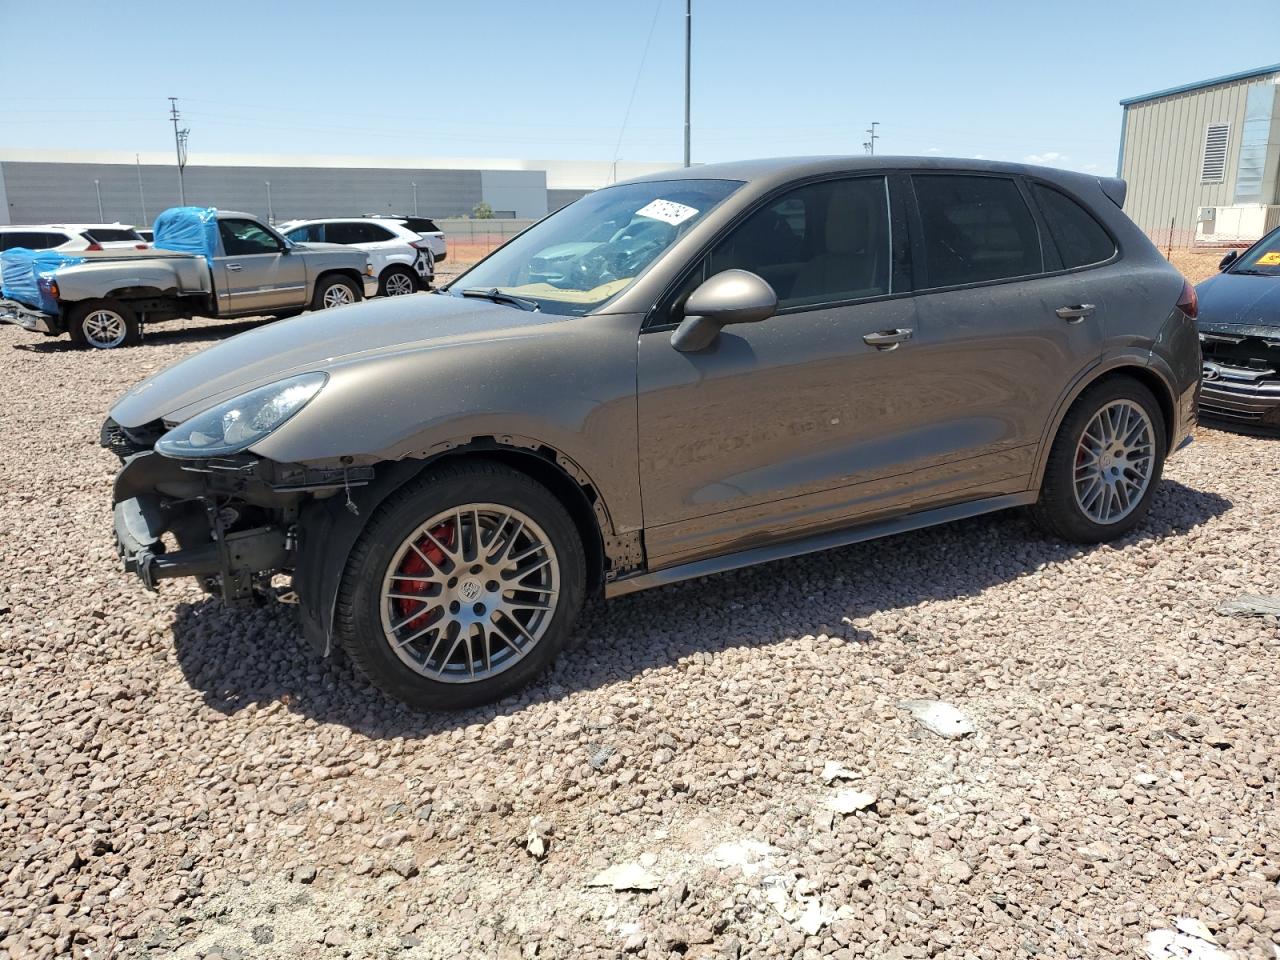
183, 779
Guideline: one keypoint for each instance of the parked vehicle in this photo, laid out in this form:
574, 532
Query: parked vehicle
243, 268
71, 236
742, 362
402, 260
1240, 336
424, 227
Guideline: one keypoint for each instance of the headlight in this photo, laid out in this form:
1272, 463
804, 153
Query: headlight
242, 421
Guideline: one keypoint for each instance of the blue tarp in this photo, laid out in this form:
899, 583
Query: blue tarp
188, 230
22, 270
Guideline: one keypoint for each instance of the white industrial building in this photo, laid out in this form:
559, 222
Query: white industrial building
46, 186
1203, 160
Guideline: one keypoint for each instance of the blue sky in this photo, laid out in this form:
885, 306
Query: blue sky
553, 79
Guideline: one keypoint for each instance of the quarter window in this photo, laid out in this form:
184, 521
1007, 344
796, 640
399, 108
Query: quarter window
821, 243
1080, 238
975, 229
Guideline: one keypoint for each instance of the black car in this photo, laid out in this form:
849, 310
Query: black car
1240, 336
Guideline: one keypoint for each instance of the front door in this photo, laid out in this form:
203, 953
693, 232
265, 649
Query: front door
256, 272
796, 423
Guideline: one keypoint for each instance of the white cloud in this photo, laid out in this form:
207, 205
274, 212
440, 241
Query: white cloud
1049, 157
933, 150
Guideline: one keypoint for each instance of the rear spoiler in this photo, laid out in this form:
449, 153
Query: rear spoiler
1115, 189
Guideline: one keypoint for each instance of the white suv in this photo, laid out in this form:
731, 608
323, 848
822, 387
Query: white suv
71, 236
401, 259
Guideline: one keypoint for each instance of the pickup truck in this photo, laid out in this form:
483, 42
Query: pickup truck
249, 270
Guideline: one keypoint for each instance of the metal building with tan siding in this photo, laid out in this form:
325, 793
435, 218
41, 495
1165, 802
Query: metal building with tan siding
1203, 160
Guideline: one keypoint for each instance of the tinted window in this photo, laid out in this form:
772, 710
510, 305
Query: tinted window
242, 238
313, 233
354, 233
421, 225
111, 234
29, 241
819, 243
1080, 238
1262, 258
975, 229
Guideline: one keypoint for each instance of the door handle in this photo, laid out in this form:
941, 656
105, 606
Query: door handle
1076, 313
888, 339
233, 266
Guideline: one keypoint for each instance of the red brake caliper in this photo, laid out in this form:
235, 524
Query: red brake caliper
414, 566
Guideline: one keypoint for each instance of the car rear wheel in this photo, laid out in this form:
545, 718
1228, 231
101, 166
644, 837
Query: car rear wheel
103, 325
398, 282
463, 588
335, 291
1105, 464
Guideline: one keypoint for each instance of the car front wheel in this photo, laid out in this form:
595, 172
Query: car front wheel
335, 292
1105, 464
463, 588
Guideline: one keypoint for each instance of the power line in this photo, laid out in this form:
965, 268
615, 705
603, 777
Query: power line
617, 150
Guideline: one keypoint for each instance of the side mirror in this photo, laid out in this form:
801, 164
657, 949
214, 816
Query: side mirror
733, 296
1229, 259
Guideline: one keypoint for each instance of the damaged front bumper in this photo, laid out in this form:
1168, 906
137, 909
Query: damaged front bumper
37, 321
1240, 378
229, 522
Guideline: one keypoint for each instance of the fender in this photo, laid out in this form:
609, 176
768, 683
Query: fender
328, 528
1149, 366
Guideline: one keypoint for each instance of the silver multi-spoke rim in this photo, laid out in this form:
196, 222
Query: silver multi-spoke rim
104, 329
1114, 461
470, 592
399, 285
338, 295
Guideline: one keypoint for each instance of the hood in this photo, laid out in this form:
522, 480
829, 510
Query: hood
319, 341
1239, 300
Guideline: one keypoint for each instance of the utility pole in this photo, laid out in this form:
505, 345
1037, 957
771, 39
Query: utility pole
415, 198
271, 216
98, 190
142, 200
870, 144
180, 145
688, 59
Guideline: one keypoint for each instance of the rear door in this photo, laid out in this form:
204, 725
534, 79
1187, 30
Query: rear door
1004, 326
255, 271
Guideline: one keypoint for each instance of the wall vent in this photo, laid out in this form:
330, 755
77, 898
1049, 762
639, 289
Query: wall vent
1213, 167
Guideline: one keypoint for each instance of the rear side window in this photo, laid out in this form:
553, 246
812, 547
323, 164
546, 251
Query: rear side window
111, 234
975, 229
356, 233
820, 243
1080, 238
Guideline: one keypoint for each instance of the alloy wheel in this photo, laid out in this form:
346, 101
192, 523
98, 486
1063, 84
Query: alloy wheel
470, 592
1114, 462
399, 285
338, 295
104, 329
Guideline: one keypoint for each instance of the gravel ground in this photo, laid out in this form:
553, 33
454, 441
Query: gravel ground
183, 779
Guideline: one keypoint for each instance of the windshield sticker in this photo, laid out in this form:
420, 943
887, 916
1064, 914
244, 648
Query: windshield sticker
1270, 259
668, 211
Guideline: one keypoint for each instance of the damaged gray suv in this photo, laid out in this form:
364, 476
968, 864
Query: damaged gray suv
674, 376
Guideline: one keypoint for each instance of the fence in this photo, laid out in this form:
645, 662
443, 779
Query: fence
470, 240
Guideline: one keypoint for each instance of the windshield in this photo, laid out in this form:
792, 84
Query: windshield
581, 256
1263, 257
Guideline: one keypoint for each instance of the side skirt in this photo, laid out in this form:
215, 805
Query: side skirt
821, 541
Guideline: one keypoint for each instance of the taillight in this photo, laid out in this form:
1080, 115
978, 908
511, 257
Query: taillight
1189, 303
95, 246
420, 244
139, 246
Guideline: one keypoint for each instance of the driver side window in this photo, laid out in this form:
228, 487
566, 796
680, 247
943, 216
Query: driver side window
242, 238
820, 243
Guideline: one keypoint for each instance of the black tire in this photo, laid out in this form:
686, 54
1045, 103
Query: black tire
402, 278
85, 325
1058, 511
359, 615
329, 282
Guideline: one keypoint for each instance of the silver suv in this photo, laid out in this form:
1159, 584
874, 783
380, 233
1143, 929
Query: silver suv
672, 377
